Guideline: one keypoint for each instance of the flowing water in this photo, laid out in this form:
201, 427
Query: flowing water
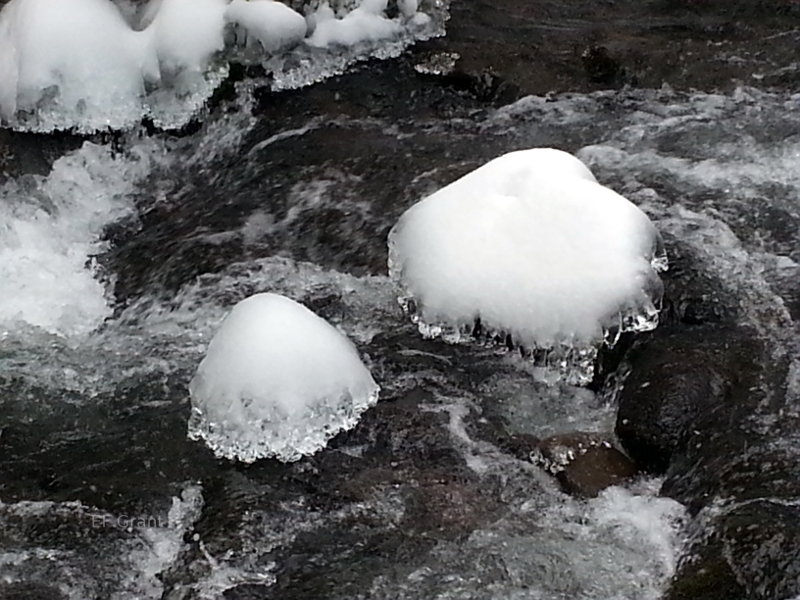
118, 266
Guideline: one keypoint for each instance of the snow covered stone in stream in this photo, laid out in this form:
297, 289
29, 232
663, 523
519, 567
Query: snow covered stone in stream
277, 381
272, 24
529, 246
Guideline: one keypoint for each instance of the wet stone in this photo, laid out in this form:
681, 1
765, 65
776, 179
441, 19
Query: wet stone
752, 552
583, 463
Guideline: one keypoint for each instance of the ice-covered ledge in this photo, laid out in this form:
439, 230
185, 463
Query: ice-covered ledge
86, 65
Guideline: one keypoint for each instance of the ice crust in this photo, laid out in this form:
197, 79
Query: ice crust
90, 65
533, 247
277, 381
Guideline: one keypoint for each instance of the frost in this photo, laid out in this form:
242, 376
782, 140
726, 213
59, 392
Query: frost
531, 251
277, 381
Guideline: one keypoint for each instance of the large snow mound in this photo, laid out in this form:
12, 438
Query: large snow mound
532, 246
79, 64
277, 381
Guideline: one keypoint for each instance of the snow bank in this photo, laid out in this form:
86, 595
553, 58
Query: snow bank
80, 64
532, 246
277, 381
78, 56
272, 24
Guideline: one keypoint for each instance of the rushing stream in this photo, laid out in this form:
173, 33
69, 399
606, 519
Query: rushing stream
118, 266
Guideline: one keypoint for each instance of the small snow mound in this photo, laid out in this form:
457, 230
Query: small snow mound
529, 246
272, 24
364, 23
277, 381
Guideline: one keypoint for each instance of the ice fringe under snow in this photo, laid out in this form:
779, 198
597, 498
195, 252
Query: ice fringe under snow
528, 245
277, 380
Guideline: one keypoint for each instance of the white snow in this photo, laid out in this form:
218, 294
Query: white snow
532, 245
49, 230
81, 49
367, 22
186, 33
277, 381
272, 24
79, 64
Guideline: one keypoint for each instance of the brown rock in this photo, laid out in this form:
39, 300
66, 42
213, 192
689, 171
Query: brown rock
583, 463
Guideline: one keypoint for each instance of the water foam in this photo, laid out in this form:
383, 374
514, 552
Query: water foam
50, 234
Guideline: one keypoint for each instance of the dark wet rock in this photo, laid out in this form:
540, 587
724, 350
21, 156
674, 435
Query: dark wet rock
693, 293
29, 591
600, 66
708, 406
540, 46
583, 463
34, 154
596, 469
752, 551
676, 375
